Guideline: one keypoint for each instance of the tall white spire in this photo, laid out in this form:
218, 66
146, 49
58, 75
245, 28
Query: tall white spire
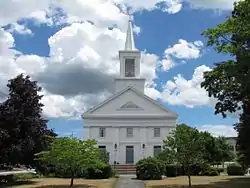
130, 43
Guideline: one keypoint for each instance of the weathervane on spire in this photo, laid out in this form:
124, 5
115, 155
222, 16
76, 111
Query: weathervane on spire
130, 44
130, 16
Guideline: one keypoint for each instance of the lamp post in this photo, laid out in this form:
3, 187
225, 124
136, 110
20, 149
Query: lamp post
115, 150
143, 150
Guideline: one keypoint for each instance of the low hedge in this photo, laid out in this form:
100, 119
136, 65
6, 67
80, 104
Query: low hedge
102, 171
220, 169
173, 170
150, 169
196, 170
235, 170
211, 171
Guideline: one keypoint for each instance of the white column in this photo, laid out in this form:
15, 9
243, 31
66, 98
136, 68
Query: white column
86, 133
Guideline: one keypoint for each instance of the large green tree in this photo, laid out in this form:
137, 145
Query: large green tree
224, 150
210, 147
229, 81
72, 155
186, 146
23, 130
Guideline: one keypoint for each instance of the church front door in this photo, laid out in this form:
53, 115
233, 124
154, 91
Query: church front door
129, 154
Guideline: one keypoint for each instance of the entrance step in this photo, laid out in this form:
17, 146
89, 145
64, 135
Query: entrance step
125, 169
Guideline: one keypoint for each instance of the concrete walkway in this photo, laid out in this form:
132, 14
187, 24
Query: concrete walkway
129, 181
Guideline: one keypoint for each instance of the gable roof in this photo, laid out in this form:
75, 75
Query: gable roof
89, 111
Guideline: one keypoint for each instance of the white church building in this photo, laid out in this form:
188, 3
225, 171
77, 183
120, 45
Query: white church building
129, 125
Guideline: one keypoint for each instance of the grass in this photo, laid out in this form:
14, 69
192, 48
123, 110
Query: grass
222, 181
27, 176
61, 183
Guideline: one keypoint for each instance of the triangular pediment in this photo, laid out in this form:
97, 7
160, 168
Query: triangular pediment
129, 102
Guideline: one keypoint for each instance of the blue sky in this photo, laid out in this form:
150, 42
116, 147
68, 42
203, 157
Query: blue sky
62, 51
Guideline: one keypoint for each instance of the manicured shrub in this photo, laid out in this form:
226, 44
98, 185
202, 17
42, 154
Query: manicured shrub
196, 170
210, 171
150, 169
45, 169
180, 170
99, 171
220, 169
235, 170
171, 170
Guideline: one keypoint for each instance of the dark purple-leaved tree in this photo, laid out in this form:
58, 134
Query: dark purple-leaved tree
23, 130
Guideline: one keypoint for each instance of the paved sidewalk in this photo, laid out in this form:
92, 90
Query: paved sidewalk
129, 181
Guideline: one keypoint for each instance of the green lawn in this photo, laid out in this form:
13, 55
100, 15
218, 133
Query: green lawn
62, 183
222, 181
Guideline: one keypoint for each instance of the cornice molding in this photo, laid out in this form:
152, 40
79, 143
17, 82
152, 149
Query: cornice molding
122, 116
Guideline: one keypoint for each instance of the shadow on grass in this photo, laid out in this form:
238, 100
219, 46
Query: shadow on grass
241, 182
65, 186
16, 183
27, 182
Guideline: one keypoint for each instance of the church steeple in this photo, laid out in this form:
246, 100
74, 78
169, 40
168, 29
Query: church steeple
130, 59
130, 43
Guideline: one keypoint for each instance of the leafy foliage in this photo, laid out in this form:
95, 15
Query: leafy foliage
210, 171
224, 151
23, 131
72, 155
235, 170
194, 151
216, 150
173, 170
241, 159
229, 81
211, 148
104, 156
185, 145
166, 157
149, 169
99, 171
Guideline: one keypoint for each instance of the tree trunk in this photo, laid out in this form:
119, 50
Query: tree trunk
189, 176
189, 180
72, 182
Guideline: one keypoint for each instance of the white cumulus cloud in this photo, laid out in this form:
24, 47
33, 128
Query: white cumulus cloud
86, 49
212, 4
185, 50
219, 130
65, 75
181, 91
181, 51
20, 29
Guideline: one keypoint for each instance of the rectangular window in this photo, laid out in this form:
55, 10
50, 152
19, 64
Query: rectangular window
103, 148
129, 132
157, 150
157, 132
129, 68
102, 132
